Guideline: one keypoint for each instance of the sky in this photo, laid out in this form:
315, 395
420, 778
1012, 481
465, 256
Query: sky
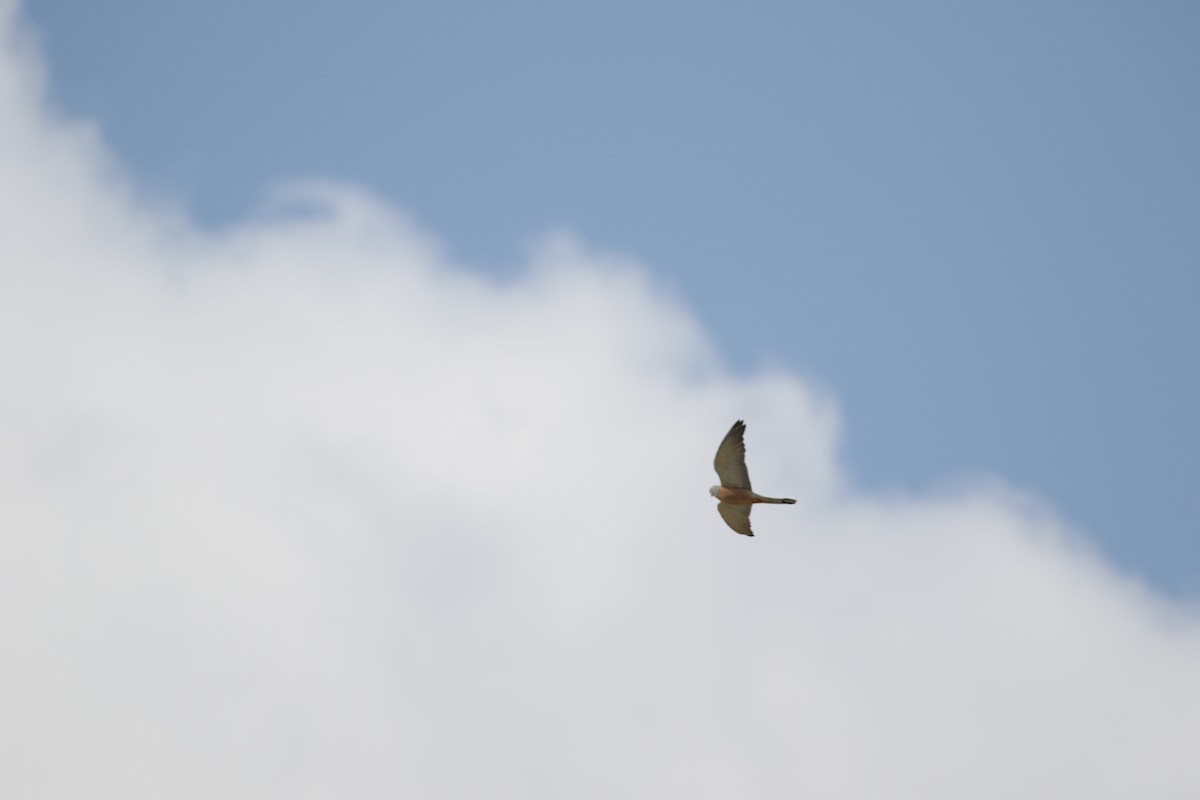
313, 485
976, 225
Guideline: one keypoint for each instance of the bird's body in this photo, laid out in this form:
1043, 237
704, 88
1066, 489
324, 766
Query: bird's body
744, 497
734, 493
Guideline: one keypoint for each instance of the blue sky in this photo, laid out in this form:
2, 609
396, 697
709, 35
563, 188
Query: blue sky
363, 371
974, 224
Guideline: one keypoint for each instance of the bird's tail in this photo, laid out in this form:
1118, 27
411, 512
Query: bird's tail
758, 498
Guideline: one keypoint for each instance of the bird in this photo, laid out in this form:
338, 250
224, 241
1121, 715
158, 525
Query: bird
734, 494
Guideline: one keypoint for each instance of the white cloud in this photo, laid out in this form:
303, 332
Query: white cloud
304, 510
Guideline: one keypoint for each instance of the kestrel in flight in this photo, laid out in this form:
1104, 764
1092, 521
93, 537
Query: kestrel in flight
734, 493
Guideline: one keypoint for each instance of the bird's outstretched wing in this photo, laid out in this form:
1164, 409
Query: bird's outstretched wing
736, 517
730, 462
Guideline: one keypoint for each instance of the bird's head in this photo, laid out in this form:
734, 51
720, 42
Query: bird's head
713, 491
